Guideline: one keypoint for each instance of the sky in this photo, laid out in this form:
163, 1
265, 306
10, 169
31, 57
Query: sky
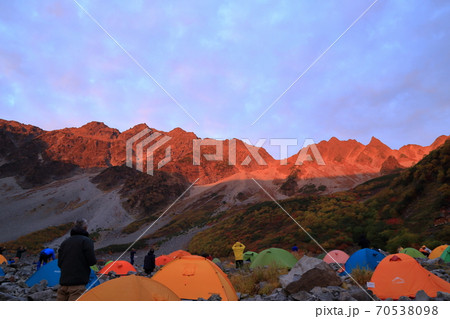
214, 67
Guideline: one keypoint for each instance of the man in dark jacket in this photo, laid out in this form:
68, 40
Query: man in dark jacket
75, 257
149, 262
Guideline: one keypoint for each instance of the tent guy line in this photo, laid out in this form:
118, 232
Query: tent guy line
314, 62
136, 62
143, 233
309, 235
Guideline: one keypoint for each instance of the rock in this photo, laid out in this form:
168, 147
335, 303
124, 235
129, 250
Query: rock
335, 266
345, 296
443, 295
21, 283
429, 261
39, 287
215, 297
422, 296
359, 294
404, 298
45, 295
308, 273
278, 295
389, 299
302, 296
239, 295
324, 294
8, 297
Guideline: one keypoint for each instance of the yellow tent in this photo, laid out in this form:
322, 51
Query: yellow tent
437, 252
130, 288
193, 277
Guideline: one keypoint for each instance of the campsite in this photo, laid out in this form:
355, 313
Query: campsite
173, 158
273, 275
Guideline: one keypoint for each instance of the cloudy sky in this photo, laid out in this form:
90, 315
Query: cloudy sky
226, 62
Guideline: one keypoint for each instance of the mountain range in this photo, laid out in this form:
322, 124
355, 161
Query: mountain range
51, 177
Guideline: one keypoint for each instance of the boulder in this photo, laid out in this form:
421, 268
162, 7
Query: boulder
323, 294
443, 295
359, 294
215, 297
345, 296
404, 298
278, 295
9, 297
45, 295
303, 296
308, 273
422, 296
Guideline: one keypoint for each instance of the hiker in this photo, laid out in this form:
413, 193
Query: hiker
45, 256
238, 250
295, 248
76, 255
425, 250
399, 249
20, 251
132, 253
363, 242
149, 262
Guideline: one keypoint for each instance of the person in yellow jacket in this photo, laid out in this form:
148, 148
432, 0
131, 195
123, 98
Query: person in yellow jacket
238, 249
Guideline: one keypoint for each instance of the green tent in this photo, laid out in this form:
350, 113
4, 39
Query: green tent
414, 253
274, 256
321, 256
445, 256
95, 268
250, 256
216, 261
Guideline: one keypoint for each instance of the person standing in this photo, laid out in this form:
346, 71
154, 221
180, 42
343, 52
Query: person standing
149, 262
238, 250
75, 257
132, 253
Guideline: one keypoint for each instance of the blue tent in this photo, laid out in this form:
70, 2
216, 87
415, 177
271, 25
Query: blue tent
51, 272
364, 259
2, 273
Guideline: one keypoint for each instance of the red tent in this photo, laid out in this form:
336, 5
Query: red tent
162, 260
120, 267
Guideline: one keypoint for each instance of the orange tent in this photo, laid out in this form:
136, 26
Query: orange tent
162, 260
120, 267
3, 259
437, 252
336, 256
130, 288
178, 253
193, 277
401, 275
